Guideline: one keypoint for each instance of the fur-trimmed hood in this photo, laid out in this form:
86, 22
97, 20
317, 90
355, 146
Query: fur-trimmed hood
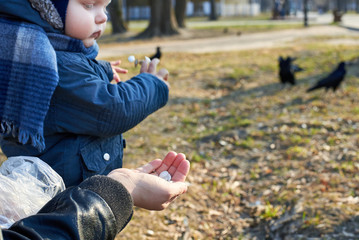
40, 12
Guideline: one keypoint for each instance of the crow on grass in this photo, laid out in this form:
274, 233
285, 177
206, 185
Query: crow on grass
158, 54
333, 80
287, 70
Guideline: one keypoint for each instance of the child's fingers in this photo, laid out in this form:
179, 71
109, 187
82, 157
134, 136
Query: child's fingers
150, 167
144, 66
116, 78
181, 172
153, 65
115, 63
163, 73
175, 163
120, 70
167, 162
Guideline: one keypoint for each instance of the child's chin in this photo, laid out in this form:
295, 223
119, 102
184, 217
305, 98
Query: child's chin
89, 42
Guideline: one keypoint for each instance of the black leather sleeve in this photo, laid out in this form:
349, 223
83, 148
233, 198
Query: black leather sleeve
97, 209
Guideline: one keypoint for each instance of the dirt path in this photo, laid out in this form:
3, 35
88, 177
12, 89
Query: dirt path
227, 43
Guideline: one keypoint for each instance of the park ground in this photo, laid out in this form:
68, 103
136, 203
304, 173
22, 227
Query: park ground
267, 161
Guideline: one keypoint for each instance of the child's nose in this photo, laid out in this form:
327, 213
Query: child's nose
101, 17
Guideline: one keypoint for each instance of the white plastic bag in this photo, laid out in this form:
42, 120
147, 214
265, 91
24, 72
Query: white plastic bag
26, 185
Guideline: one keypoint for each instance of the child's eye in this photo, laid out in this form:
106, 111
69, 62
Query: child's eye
89, 6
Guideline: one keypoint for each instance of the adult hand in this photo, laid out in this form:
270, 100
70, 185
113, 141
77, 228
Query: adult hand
151, 67
116, 70
150, 191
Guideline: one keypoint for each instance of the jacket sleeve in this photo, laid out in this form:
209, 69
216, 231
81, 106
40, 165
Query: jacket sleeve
107, 68
87, 103
98, 208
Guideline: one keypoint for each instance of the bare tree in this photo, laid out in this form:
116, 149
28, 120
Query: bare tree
180, 12
345, 5
305, 6
213, 14
275, 11
162, 20
286, 7
116, 17
197, 7
337, 12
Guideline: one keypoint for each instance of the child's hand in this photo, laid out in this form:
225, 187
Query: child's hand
117, 70
150, 191
151, 68
176, 164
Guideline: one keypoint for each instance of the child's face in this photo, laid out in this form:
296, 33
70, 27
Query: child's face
86, 20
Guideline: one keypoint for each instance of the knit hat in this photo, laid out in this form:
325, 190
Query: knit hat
61, 7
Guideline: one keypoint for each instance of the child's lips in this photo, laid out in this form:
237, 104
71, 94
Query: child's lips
96, 35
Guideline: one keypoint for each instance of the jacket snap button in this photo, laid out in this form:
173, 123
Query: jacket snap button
106, 156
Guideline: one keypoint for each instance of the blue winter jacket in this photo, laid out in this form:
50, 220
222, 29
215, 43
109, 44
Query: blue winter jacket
88, 114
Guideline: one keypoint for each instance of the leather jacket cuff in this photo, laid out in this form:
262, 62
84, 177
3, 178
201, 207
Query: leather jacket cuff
115, 195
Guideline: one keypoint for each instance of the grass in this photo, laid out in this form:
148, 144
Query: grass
253, 139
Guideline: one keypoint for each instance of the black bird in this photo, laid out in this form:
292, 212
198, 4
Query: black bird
287, 70
333, 80
158, 54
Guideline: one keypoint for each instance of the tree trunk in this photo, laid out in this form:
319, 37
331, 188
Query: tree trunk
250, 2
162, 21
305, 6
286, 6
275, 11
213, 14
357, 6
116, 16
197, 8
180, 12
168, 20
128, 8
337, 12
344, 7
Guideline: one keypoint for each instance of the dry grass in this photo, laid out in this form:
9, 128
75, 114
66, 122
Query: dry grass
267, 161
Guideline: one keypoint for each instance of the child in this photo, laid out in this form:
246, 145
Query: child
87, 114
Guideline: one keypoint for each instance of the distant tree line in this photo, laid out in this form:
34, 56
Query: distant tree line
283, 8
167, 15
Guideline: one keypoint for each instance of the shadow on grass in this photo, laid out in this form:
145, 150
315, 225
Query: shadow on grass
270, 89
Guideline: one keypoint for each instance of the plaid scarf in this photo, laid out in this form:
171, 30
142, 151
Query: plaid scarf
28, 78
